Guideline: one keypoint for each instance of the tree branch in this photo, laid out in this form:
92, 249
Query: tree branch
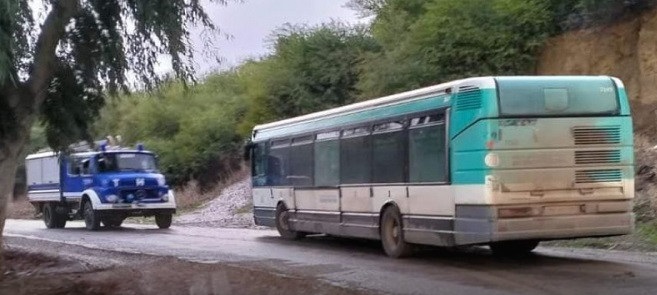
45, 60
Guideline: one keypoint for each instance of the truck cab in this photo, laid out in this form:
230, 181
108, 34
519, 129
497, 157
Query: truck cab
100, 187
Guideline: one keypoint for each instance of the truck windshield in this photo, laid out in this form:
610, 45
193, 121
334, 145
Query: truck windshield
127, 162
557, 96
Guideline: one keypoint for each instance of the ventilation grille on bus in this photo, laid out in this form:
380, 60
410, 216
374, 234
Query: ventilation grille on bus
597, 157
594, 176
468, 98
597, 135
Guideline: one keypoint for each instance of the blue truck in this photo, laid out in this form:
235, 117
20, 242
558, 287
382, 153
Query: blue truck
99, 186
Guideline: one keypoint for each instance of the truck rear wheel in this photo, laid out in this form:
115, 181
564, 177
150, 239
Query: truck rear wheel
163, 220
52, 218
91, 217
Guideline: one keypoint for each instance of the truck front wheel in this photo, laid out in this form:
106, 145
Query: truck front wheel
91, 217
52, 218
163, 220
114, 221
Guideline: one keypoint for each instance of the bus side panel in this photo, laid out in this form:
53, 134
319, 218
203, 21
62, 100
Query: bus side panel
264, 206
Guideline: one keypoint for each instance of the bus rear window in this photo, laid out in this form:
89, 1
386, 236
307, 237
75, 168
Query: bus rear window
557, 96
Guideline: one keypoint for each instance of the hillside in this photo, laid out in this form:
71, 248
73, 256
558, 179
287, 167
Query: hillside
626, 49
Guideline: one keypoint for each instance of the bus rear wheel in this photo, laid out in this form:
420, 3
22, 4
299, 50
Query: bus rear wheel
513, 248
52, 218
392, 234
283, 224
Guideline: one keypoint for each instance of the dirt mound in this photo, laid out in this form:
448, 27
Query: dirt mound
626, 49
232, 208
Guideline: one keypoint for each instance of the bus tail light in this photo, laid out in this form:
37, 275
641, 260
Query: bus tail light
492, 160
515, 212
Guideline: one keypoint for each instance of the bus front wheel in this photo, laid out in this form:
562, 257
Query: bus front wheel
283, 224
392, 234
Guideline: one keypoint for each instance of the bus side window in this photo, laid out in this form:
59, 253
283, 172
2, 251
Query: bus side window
356, 156
277, 163
301, 161
259, 164
327, 159
427, 158
388, 148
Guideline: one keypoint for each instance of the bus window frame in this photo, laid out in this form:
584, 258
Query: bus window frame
287, 141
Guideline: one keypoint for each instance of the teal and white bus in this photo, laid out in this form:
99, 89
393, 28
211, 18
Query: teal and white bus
499, 161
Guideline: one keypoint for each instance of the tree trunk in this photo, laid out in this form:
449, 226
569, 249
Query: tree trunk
10, 150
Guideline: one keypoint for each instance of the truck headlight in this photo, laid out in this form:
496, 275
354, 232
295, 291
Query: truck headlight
165, 197
112, 198
161, 181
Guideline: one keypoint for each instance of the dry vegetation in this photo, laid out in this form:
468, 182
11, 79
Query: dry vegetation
20, 208
191, 196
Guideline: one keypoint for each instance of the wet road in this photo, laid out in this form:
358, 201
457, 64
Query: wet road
361, 264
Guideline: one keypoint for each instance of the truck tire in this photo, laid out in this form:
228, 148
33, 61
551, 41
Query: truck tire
52, 218
114, 221
91, 217
163, 221
392, 234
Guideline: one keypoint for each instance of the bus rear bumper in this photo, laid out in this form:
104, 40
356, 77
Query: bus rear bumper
480, 231
563, 227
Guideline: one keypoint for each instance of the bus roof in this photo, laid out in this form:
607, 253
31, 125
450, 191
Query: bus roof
481, 82
484, 82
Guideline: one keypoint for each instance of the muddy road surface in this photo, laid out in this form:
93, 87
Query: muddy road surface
360, 264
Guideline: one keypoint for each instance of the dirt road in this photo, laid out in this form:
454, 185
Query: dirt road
361, 264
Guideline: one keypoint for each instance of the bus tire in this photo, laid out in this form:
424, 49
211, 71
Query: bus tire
52, 218
91, 217
283, 224
513, 248
392, 234
163, 221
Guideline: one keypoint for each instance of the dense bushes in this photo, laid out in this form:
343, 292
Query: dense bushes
198, 132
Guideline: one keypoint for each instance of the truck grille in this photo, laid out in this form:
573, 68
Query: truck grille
597, 157
595, 176
586, 135
140, 194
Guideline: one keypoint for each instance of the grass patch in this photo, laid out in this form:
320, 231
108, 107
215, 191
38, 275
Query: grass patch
21, 209
648, 233
247, 208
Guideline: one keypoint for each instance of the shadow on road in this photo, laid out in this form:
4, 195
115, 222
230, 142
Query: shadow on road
474, 257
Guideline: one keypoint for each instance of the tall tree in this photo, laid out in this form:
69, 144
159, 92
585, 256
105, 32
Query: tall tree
59, 69
311, 69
